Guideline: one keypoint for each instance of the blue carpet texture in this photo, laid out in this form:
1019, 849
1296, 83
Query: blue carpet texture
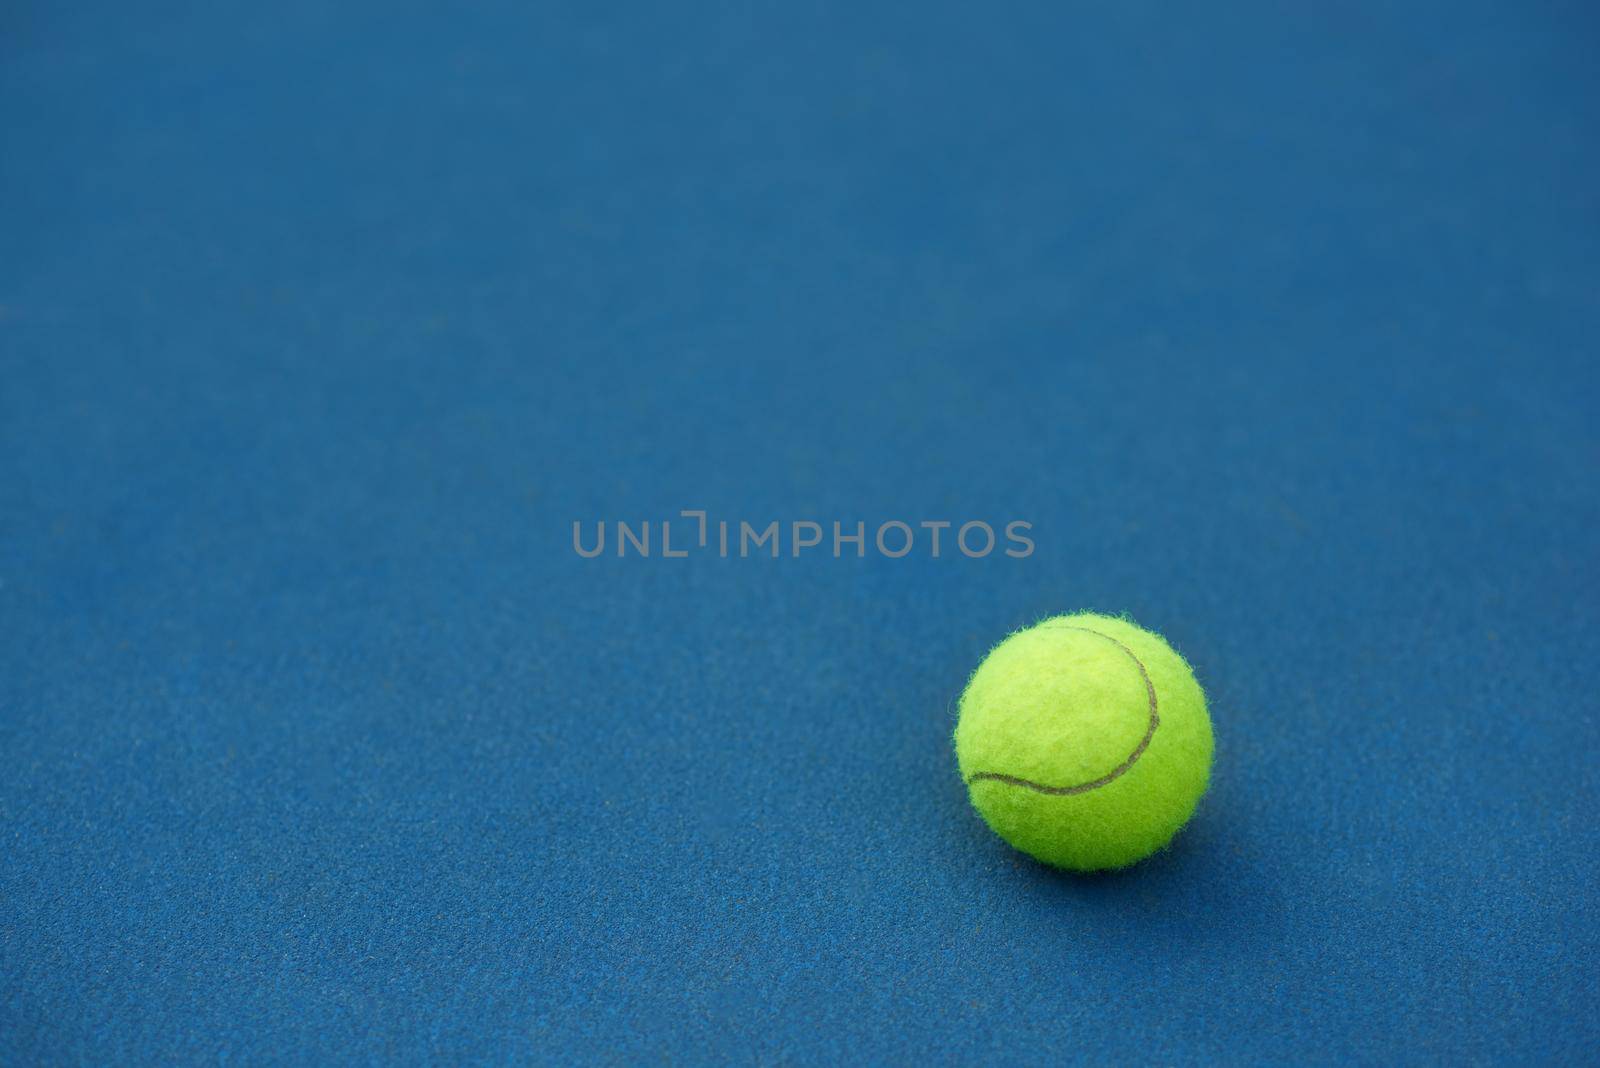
321, 324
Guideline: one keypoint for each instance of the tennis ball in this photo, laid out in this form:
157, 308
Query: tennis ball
1084, 741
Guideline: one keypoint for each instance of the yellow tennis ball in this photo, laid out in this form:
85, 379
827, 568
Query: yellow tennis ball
1084, 741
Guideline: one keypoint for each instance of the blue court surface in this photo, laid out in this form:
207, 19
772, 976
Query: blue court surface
322, 324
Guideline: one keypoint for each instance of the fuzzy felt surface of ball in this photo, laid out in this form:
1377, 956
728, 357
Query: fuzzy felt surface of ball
1084, 741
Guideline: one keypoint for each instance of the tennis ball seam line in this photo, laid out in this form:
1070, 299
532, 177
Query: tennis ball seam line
1114, 773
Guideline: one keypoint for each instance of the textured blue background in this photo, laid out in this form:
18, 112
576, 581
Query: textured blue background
321, 323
